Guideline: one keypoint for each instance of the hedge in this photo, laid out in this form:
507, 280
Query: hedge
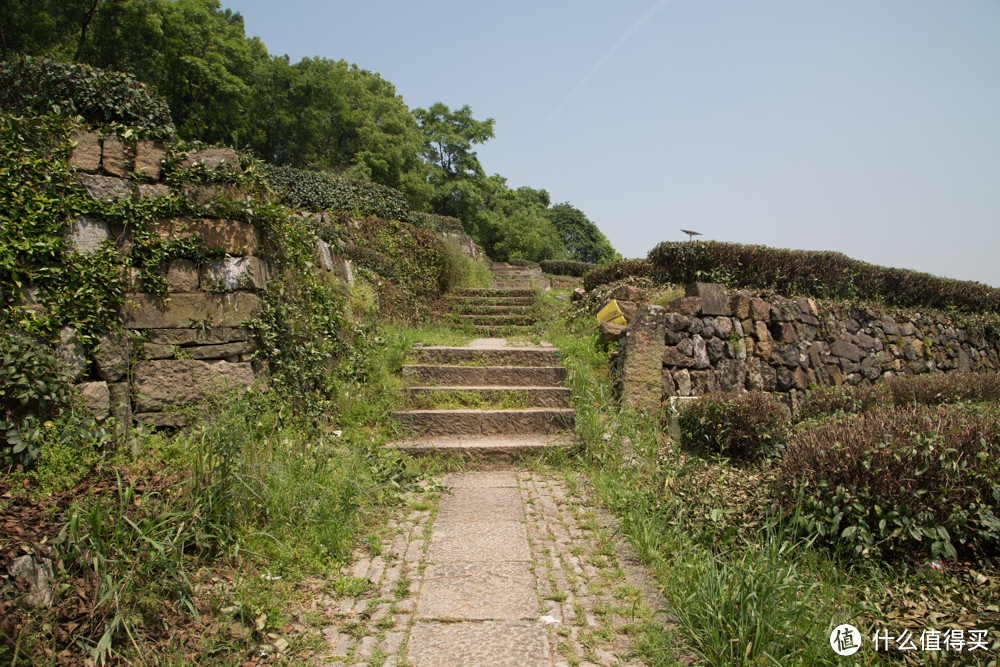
614, 271
37, 86
566, 267
902, 391
319, 191
899, 482
817, 274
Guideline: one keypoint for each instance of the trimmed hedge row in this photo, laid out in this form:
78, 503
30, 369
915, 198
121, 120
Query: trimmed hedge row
37, 86
609, 273
902, 391
566, 267
318, 191
817, 274
899, 482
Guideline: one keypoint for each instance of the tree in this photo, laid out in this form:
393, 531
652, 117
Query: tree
581, 237
448, 139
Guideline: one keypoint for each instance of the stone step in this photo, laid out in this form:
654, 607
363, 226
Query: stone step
509, 330
487, 422
493, 310
498, 320
486, 376
494, 301
500, 356
530, 397
495, 292
485, 447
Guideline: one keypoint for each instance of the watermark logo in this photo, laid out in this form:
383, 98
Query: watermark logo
845, 639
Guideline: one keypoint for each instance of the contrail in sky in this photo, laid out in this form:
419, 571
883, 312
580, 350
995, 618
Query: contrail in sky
600, 63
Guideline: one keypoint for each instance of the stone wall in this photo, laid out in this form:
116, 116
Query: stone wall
191, 340
711, 340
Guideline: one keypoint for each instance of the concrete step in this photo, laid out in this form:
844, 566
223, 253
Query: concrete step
499, 320
500, 356
504, 448
485, 376
487, 422
527, 397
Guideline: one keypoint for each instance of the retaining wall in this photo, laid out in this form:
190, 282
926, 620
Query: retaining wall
712, 340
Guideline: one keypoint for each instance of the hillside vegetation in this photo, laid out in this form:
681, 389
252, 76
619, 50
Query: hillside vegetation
316, 114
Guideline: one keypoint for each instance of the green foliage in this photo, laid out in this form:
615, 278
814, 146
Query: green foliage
318, 191
460, 270
581, 237
37, 86
38, 198
413, 258
625, 268
34, 387
818, 274
565, 267
437, 223
448, 140
330, 115
748, 425
753, 603
898, 482
302, 329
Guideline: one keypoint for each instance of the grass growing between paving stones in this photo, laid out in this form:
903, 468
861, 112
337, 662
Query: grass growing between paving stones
744, 590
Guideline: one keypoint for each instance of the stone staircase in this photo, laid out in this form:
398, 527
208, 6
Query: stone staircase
508, 307
499, 399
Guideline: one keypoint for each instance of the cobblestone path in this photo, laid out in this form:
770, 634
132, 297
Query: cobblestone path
503, 568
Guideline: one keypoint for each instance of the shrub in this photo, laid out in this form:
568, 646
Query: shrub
945, 388
566, 267
37, 86
829, 400
625, 268
34, 386
897, 481
936, 389
818, 274
746, 426
409, 256
517, 261
319, 191
437, 223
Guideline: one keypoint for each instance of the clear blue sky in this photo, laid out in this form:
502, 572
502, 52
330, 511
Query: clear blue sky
867, 127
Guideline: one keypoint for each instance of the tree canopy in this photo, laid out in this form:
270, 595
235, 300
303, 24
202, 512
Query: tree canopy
320, 114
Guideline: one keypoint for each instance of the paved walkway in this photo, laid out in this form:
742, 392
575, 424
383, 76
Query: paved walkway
511, 568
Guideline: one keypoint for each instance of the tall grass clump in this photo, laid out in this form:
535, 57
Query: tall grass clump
460, 270
757, 604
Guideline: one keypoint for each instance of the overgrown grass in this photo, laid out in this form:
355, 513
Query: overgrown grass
739, 599
462, 271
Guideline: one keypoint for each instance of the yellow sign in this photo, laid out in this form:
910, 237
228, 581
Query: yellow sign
611, 313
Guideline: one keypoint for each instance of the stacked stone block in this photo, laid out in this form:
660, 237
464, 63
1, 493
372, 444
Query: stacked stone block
193, 337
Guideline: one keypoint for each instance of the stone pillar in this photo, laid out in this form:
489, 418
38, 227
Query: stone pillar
641, 377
